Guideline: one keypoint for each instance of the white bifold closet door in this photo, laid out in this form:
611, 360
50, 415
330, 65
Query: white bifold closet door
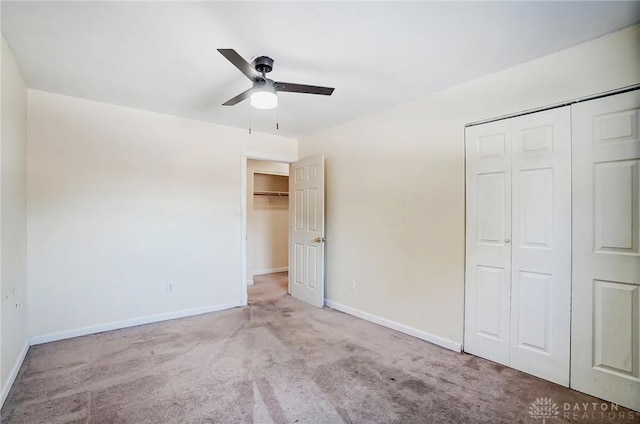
518, 263
605, 351
488, 256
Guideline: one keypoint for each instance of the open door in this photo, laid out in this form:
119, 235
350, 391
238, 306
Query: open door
306, 230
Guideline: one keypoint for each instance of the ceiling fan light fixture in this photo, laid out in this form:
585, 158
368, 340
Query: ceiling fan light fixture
264, 99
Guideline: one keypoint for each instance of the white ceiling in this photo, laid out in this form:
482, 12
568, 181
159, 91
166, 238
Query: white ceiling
161, 56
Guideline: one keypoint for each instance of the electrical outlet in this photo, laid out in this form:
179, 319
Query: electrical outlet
169, 287
352, 284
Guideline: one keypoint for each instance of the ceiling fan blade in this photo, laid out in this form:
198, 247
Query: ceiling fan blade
240, 97
237, 60
301, 88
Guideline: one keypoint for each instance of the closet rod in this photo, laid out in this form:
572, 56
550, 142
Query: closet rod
271, 193
557, 105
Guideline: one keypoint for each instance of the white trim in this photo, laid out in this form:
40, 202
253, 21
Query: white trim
269, 157
83, 331
271, 271
243, 230
446, 343
6, 388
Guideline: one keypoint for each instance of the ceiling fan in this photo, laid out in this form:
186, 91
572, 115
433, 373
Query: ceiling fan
263, 93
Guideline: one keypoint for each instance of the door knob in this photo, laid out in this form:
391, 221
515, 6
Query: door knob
507, 240
319, 239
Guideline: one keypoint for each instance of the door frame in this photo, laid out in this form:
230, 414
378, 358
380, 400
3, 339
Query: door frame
246, 155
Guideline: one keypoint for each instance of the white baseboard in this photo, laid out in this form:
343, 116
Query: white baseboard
6, 387
271, 271
446, 343
83, 331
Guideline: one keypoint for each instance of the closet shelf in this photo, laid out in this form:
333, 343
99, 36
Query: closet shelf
271, 193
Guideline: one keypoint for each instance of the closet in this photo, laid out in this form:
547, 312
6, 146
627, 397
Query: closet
518, 271
267, 225
552, 278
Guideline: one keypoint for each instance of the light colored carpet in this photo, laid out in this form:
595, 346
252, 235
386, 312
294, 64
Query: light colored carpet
274, 361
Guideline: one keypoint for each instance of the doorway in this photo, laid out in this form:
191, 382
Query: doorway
267, 235
306, 238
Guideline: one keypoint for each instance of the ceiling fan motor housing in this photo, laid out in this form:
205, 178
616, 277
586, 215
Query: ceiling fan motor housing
263, 64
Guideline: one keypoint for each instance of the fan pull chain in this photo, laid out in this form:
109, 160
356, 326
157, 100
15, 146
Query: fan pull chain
250, 114
277, 118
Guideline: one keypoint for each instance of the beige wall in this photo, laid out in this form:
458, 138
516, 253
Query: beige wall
395, 183
123, 202
13, 199
267, 224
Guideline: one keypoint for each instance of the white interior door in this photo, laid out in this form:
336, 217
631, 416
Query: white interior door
606, 241
488, 259
541, 244
306, 233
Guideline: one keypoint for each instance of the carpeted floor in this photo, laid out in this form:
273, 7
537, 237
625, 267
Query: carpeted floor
275, 361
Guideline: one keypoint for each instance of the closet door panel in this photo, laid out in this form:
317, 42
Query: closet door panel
605, 350
541, 244
488, 272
